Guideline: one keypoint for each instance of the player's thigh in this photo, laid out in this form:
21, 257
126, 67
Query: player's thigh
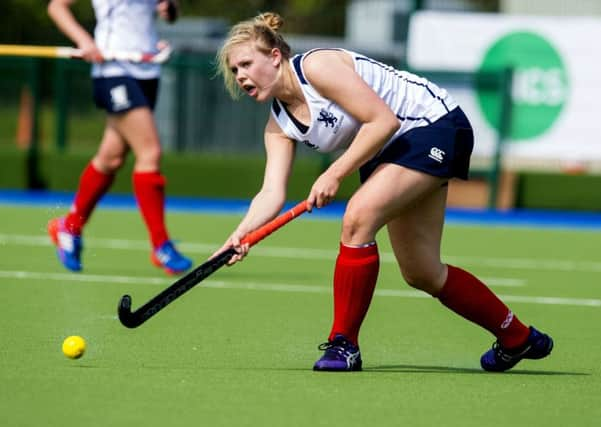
415, 235
138, 128
390, 190
129, 103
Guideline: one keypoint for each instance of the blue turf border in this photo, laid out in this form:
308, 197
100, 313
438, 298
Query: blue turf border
515, 217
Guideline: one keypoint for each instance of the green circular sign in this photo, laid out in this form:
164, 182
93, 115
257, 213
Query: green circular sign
539, 86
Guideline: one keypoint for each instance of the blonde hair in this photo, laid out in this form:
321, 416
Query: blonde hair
263, 30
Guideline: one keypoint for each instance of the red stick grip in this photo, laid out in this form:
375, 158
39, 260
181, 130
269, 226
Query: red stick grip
259, 234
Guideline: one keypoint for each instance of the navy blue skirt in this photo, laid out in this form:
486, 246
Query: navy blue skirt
442, 148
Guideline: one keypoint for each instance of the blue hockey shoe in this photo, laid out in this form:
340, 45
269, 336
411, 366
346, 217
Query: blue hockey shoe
68, 245
499, 359
169, 259
339, 355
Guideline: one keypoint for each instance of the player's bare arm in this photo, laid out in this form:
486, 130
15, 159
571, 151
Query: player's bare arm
60, 12
270, 199
333, 75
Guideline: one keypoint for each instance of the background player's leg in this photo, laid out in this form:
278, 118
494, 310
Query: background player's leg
137, 126
95, 181
96, 178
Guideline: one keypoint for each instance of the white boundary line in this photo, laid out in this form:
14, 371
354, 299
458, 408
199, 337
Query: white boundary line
273, 287
321, 254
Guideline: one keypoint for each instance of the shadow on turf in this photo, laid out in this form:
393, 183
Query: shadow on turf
452, 370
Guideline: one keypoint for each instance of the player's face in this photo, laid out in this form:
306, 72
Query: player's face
256, 72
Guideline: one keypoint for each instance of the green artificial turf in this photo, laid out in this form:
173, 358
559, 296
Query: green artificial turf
238, 349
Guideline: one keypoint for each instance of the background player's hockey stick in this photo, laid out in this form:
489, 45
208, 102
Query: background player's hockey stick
134, 319
158, 57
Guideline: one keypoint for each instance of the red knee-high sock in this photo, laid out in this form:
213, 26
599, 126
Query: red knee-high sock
149, 189
354, 283
469, 297
93, 184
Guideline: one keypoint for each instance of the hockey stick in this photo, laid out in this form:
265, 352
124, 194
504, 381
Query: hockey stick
153, 306
158, 57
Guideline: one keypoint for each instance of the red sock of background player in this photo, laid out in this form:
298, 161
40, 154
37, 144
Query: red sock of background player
149, 189
469, 297
355, 279
93, 184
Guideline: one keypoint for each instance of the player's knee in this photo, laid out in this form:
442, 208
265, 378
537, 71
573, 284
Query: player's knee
418, 280
357, 224
429, 280
150, 156
109, 164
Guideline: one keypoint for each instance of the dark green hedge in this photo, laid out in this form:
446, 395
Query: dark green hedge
187, 175
559, 191
241, 177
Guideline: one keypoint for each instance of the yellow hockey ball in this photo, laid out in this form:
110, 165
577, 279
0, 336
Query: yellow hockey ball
74, 347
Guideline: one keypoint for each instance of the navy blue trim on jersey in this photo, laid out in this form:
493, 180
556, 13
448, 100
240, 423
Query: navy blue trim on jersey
118, 95
317, 49
303, 128
414, 119
441, 149
275, 106
296, 61
395, 72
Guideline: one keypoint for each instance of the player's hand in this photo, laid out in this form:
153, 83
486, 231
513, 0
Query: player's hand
168, 10
234, 241
90, 52
323, 191
162, 44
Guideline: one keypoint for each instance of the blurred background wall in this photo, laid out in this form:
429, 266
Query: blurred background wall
551, 7
49, 126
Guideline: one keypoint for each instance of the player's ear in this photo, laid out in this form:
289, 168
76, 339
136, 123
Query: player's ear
276, 55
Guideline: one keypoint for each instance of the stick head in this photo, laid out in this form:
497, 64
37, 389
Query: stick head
124, 311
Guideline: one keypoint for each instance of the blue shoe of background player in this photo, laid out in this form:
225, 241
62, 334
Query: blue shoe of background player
68, 245
499, 359
339, 355
169, 259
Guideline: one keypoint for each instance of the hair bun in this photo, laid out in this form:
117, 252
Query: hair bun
272, 20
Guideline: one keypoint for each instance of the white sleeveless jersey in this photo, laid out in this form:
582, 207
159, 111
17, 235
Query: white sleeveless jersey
415, 101
126, 25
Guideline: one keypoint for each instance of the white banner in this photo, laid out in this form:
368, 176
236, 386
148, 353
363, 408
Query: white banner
555, 123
